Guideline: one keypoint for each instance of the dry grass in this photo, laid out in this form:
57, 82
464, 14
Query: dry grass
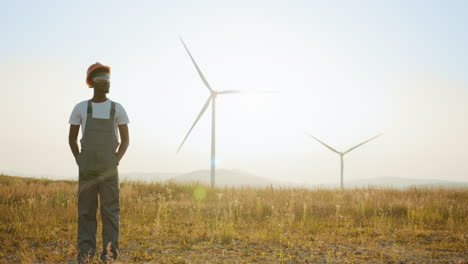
195, 224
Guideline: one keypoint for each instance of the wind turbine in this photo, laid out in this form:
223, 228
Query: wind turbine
212, 99
342, 153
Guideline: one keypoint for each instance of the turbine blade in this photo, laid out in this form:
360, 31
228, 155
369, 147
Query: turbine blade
261, 92
247, 92
196, 66
268, 92
330, 148
196, 120
360, 144
230, 92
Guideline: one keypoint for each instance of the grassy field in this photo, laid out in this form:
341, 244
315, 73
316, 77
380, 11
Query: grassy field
196, 224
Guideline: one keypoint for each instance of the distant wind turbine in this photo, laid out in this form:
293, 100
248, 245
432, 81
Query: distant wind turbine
342, 153
212, 99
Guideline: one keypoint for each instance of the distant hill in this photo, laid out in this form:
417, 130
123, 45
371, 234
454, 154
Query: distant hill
19, 180
400, 183
226, 178
147, 176
239, 178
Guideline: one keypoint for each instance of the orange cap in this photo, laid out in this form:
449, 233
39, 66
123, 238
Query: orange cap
93, 67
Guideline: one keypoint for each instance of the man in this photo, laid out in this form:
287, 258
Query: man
102, 120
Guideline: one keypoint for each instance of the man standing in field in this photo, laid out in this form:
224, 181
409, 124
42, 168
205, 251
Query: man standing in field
102, 120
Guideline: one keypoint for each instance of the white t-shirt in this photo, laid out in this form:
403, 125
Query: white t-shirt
100, 110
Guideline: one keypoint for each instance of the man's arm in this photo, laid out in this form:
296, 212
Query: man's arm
124, 141
72, 139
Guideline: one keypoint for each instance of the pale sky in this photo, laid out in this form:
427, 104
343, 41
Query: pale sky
344, 71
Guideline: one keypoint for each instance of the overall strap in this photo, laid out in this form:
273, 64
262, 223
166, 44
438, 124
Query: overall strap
112, 112
90, 108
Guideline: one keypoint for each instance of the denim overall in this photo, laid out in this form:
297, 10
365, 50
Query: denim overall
98, 174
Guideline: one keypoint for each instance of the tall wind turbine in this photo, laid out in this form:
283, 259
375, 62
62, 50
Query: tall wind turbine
342, 153
212, 99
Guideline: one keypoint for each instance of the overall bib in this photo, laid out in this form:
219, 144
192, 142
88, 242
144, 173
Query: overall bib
98, 174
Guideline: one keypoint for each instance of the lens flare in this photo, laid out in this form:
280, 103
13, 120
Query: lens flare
199, 193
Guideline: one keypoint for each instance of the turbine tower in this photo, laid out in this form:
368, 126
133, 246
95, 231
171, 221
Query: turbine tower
212, 99
342, 153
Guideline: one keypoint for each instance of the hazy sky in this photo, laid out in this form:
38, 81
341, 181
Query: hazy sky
345, 71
